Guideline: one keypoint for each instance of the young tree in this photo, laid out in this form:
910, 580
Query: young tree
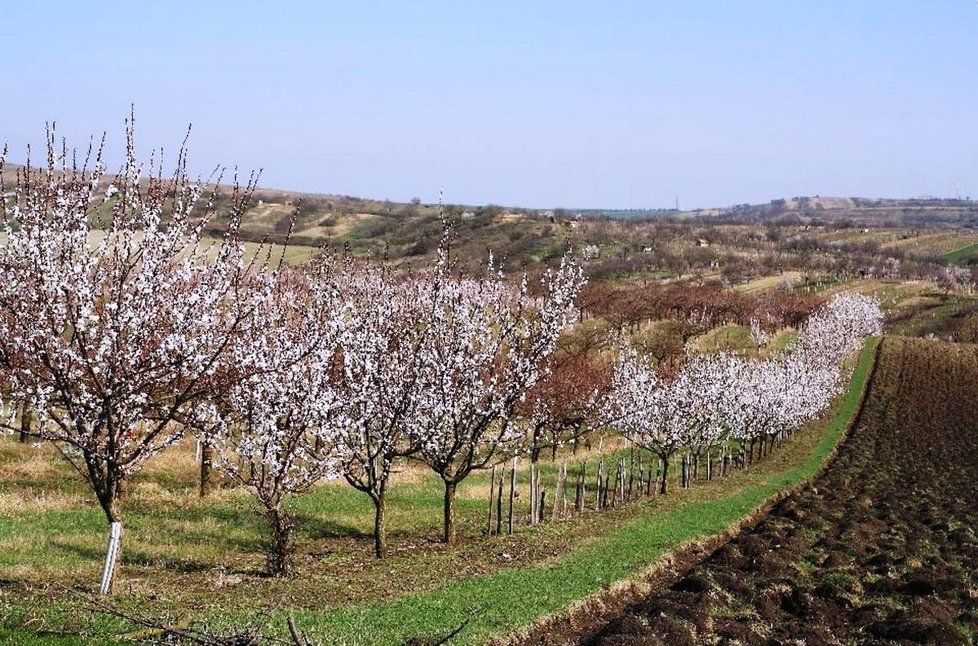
780, 394
382, 365
707, 390
116, 312
484, 350
641, 406
278, 426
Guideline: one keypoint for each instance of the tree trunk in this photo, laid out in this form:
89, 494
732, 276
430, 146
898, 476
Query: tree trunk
206, 464
120, 490
492, 501
280, 546
380, 523
25, 423
450, 512
664, 486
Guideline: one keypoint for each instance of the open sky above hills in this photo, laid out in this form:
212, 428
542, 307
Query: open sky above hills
625, 104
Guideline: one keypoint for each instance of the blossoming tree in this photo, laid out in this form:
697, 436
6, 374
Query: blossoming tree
117, 310
382, 367
483, 352
711, 398
278, 425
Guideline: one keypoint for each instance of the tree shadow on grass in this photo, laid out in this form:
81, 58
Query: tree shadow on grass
316, 527
135, 557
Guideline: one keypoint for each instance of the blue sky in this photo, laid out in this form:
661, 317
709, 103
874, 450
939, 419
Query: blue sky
536, 103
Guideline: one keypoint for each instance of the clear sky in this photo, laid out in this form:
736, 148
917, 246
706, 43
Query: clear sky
533, 103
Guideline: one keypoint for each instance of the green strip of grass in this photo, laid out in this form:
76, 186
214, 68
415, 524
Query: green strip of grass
512, 599
962, 255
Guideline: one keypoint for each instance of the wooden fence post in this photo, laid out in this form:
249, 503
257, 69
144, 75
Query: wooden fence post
512, 495
499, 506
533, 504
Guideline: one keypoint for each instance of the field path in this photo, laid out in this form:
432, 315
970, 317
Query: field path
881, 548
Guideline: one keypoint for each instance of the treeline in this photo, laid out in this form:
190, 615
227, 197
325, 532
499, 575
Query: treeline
707, 305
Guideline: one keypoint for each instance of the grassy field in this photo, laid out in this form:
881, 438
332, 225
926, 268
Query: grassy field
736, 338
293, 254
788, 278
190, 558
962, 255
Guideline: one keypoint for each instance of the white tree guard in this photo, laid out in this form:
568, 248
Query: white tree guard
111, 555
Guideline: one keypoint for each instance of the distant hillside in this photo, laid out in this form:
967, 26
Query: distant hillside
811, 235
876, 212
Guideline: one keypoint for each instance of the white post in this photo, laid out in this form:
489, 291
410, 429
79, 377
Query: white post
111, 555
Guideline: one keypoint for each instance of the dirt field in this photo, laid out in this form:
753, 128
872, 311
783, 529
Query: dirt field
881, 548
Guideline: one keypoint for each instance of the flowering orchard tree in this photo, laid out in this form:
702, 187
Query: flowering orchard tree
780, 394
838, 328
278, 425
484, 350
707, 390
718, 396
786, 391
640, 408
692, 409
382, 364
116, 311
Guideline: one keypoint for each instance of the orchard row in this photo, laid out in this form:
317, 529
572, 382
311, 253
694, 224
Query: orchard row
126, 325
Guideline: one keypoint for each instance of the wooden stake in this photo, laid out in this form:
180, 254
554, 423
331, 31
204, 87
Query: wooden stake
512, 495
499, 507
492, 485
533, 499
597, 485
641, 473
583, 487
563, 491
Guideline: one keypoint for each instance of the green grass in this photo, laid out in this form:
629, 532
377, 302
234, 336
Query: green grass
512, 599
962, 255
781, 340
735, 338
